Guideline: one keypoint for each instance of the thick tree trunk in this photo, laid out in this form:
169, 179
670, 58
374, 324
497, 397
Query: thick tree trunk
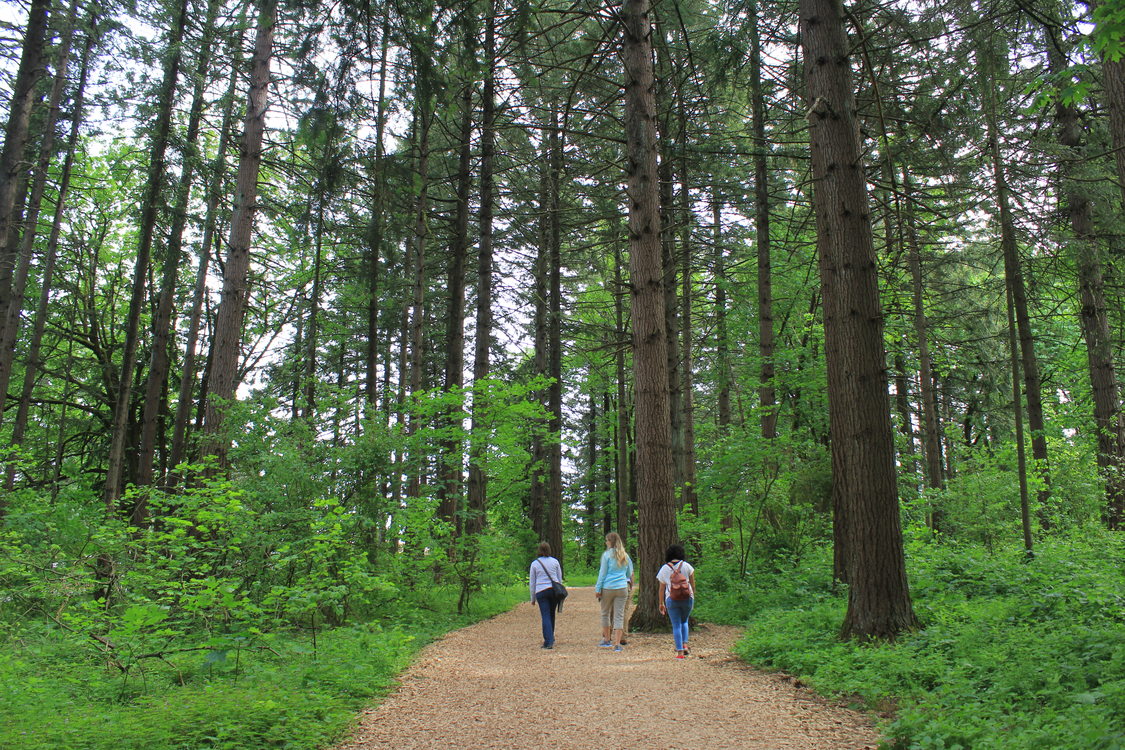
656, 514
864, 484
149, 208
226, 345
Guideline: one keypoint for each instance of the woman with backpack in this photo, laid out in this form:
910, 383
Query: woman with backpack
615, 579
545, 571
677, 595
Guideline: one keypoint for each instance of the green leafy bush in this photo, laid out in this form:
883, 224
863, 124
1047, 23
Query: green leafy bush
1013, 653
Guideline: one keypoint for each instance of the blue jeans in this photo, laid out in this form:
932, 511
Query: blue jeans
678, 612
548, 606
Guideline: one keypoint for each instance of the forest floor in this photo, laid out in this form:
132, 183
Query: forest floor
492, 686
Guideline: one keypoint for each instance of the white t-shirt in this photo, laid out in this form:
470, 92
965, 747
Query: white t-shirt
665, 574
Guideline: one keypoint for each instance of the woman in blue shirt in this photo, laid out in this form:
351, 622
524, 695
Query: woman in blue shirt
615, 580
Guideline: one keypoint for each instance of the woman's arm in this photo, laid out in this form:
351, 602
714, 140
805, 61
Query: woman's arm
602, 571
660, 598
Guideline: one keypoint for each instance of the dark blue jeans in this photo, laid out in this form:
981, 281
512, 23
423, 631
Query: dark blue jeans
548, 606
678, 613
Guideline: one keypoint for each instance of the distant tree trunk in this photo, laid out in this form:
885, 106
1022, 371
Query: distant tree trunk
864, 484
162, 323
537, 492
1017, 412
34, 364
423, 120
623, 464
312, 322
931, 429
554, 346
450, 484
177, 452
375, 244
226, 344
1014, 281
154, 187
689, 498
13, 173
767, 394
722, 338
656, 514
477, 490
1114, 80
1092, 315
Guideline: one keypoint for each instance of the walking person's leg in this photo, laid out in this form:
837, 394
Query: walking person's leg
546, 601
617, 604
675, 614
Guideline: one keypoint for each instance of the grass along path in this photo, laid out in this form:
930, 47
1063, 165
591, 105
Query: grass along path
490, 685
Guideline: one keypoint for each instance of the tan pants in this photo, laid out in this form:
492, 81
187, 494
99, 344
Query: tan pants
613, 603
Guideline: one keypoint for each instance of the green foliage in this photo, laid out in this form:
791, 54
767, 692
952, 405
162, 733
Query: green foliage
1014, 652
54, 695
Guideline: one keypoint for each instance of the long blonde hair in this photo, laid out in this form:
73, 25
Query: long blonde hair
618, 547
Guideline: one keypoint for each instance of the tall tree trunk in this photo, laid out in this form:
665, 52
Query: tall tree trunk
689, 498
477, 490
226, 344
1014, 281
656, 514
1092, 315
162, 323
623, 462
931, 437
9, 327
154, 187
312, 333
46, 282
424, 117
180, 421
13, 171
554, 345
450, 484
864, 484
767, 395
375, 244
1017, 412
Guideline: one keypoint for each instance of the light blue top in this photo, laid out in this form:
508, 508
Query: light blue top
611, 575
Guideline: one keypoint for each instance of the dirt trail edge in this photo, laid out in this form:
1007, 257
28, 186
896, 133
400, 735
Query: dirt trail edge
492, 686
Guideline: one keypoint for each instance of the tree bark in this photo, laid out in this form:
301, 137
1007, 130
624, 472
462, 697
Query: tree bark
9, 326
154, 187
477, 491
1108, 423
162, 323
656, 512
226, 344
864, 484
46, 282
13, 168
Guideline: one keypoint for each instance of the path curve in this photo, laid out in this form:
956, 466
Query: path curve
491, 686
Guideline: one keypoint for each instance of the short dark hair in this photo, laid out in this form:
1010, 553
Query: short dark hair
544, 549
674, 552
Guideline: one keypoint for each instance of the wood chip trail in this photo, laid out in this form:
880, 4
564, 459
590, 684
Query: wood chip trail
491, 686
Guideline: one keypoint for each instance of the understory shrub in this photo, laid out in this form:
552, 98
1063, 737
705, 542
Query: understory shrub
1014, 652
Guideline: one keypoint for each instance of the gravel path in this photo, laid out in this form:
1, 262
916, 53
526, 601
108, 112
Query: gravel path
491, 686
